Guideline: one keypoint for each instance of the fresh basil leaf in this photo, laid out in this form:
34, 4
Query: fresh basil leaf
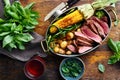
8, 39
112, 61
1, 20
19, 28
33, 21
29, 6
6, 25
115, 58
21, 10
7, 2
19, 22
13, 27
34, 14
118, 45
30, 27
116, 48
12, 45
13, 8
112, 45
4, 33
12, 14
24, 37
101, 68
20, 45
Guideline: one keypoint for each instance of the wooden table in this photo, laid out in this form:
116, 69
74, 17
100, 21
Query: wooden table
13, 70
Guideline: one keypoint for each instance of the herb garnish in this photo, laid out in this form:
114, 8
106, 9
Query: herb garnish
101, 67
99, 14
71, 68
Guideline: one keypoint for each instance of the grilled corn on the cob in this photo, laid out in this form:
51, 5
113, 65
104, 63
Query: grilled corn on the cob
69, 19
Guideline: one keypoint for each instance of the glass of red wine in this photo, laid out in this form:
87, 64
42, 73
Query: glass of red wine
34, 68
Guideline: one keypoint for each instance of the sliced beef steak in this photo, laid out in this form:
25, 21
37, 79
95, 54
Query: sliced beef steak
83, 42
103, 24
83, 48
99, 29
91, 26
104, 18
72, 48
86, 31
81, 36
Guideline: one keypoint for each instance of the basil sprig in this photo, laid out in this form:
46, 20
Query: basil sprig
115, 47
17, 25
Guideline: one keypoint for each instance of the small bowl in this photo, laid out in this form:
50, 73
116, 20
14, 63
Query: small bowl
79, 61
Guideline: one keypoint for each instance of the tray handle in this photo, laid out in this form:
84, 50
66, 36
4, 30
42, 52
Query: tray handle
111, 10
44, 45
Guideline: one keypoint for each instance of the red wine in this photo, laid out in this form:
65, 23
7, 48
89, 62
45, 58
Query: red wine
35, 68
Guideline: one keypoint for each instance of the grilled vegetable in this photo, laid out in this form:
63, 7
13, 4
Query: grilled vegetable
53, 29
69, 19
87, 10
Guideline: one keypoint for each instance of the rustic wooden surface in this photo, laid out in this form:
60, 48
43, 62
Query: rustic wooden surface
13, 70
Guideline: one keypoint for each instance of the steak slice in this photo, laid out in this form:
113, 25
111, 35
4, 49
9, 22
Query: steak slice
75, 43
91, 26
72, 48
83, 42
103, 24
82, 49
104, 18
86, 31
99, 29
81, 36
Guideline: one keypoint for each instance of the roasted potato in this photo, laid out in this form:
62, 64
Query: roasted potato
63, 44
